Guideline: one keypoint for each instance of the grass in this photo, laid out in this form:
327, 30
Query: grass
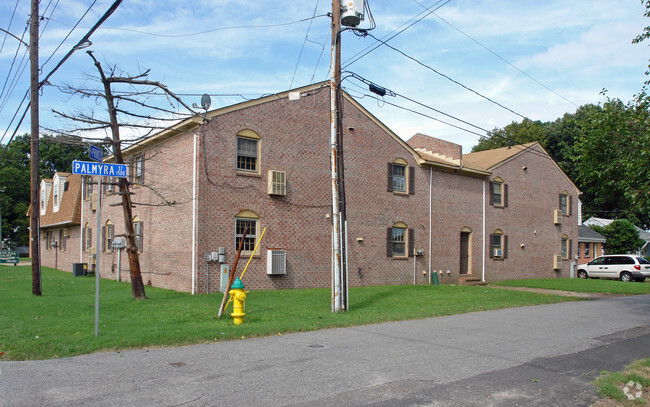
580, 285
61, 322
610, 385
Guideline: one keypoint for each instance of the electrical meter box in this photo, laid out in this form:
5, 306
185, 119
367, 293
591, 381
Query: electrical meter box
225, 273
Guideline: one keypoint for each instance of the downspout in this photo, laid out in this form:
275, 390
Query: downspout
194, 216
483, 261
430, 241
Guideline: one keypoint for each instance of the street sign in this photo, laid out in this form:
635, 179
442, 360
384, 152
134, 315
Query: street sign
99, 169
96, 153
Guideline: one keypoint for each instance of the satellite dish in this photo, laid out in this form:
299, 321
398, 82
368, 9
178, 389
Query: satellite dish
206, 101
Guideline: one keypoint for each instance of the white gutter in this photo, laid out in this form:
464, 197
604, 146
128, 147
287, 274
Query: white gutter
194, 217
430, 192
483, 265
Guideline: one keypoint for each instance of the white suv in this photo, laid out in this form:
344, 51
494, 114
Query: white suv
618, 266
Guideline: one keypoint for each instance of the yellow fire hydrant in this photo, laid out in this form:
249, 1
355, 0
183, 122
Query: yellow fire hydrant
238, 296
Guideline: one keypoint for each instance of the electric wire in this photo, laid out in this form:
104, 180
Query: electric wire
83, 40
11, 67
303, 44
11, 20
448, 77
501, 58
206, 31
417, 20
513, 144
68, 35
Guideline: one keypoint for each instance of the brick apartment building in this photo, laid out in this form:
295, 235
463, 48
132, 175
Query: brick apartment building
413, 208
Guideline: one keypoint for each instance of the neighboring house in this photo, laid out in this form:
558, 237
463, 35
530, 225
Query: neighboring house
413, 208
590, 244
643, 234
60, 214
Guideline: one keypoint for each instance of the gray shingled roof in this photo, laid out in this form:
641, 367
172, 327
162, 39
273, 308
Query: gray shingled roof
587, 234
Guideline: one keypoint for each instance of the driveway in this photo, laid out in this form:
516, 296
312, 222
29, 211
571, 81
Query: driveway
534, 356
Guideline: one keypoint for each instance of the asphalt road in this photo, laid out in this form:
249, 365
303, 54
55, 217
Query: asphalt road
533, 356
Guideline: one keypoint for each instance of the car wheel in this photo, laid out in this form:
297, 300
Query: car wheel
582, 274
626, 276
640, 279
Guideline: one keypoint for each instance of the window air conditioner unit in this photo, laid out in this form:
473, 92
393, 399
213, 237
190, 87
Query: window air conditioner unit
276, 261
557, 262
277, 182
557, 216
498, 252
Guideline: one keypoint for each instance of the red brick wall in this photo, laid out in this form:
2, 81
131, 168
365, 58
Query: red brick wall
294, 137
449, 149
528, 220
164, 205
595, 250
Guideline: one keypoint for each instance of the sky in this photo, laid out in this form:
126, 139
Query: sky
485, 62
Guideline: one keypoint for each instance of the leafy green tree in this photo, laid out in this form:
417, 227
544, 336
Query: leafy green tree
515, 133
612, 160
56, 154
622, 237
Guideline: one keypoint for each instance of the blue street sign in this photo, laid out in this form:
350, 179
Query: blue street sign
96, 153
100, 169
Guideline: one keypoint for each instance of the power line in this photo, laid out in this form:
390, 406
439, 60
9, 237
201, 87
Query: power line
303, 44
513, 143
68, 35
9, 28
448, 77
207, 31
80, 44
417, 20
501, 58
393, 93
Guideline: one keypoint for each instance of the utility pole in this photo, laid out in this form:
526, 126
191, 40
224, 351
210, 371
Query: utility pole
34, 156
335, 69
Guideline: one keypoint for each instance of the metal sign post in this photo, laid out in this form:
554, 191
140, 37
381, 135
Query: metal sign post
100, 170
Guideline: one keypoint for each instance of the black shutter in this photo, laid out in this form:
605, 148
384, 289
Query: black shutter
411, 244
491, 246
560, 204
390, 177
142, 169
90, 238
505, 246
83, 237
570, 205
389, 242
103, 238
570, 249
505, 195
491, 193
411, 180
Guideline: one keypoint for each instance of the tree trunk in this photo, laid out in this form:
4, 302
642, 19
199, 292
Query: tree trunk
137, 287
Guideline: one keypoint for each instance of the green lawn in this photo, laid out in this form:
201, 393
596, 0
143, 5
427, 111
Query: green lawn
60, 323
580, 285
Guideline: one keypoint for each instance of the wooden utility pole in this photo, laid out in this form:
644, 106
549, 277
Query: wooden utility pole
338, 302
34, 156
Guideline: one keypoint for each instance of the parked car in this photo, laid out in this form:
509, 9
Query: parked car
625, 267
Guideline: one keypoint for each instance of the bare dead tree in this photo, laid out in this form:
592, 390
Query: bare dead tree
133, 103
